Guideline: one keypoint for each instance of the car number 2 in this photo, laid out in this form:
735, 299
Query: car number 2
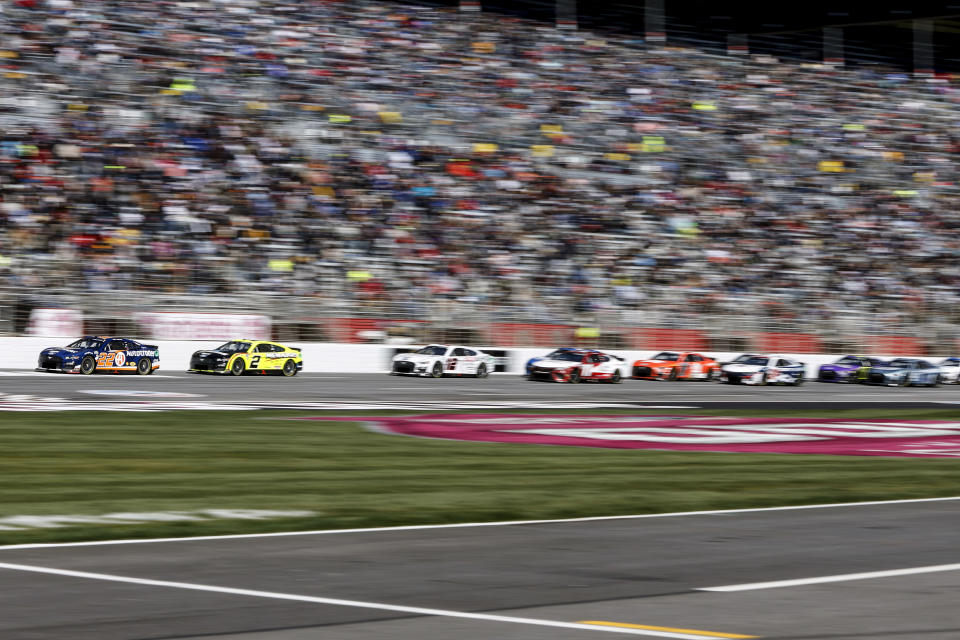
106, 359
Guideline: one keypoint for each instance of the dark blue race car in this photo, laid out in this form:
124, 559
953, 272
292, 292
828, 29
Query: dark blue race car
848, 369
99, 353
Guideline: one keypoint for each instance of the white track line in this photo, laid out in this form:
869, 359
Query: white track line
844, 577
419, 527
349, 603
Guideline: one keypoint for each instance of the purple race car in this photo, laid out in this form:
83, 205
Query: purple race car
848, 369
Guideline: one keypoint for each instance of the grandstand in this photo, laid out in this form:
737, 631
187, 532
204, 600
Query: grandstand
370, 170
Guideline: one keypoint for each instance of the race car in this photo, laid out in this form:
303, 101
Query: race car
577, 366
549, 356
950, 370
676, 365
241, 356
904, 372
101, 353
763, 369
438, 360
848, 369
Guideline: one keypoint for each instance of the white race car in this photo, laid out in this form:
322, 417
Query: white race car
578, 365
438, 360
950, 370
763, 369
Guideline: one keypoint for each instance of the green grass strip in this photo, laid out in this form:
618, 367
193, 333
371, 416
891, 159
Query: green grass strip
101, 463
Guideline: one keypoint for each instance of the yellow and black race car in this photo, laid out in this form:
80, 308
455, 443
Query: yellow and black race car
238, 357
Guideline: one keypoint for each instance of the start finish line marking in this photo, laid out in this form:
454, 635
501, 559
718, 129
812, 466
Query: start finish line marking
358, 603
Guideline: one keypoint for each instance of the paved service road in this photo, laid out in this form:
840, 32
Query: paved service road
648, 576
377, 389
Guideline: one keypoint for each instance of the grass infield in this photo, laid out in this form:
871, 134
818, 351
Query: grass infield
99, 463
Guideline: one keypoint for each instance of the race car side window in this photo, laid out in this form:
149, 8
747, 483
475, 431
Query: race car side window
116, 345
692, 358
469, 352
459, 351
783, 363
263, 348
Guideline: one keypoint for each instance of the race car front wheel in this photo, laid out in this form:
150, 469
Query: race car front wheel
238, 367
144, 366
88, 365
482, 371
616, 378
437, 371
574, 377
289, 368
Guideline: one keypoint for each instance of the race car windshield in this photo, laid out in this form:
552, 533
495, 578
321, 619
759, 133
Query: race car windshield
755, 360
234, 347
666, 355
85, 343
849, 360
432, 350
568, 357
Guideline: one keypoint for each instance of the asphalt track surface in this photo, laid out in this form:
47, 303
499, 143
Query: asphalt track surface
370, 390
884, 571
654, 575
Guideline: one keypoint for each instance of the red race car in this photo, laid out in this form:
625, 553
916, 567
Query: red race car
677, 365
577, 366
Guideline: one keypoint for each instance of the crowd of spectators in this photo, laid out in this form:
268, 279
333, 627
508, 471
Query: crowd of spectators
369, 153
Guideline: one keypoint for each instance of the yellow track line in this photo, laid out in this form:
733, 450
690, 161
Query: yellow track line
705, 634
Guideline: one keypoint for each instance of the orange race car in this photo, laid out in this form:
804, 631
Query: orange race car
677, 365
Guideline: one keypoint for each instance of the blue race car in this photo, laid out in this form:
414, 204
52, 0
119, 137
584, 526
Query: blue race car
848, 369
100, 353
903, 372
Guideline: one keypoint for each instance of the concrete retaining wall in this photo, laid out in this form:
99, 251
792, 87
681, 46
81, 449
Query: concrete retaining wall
22, 353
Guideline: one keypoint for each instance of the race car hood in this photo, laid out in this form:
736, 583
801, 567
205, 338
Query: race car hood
889, 370
64, 352
742, 368
414, 357
211, 352
840, 367
557, 364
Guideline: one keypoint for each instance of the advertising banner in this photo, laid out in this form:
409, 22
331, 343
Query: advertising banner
55, 322
203, 326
